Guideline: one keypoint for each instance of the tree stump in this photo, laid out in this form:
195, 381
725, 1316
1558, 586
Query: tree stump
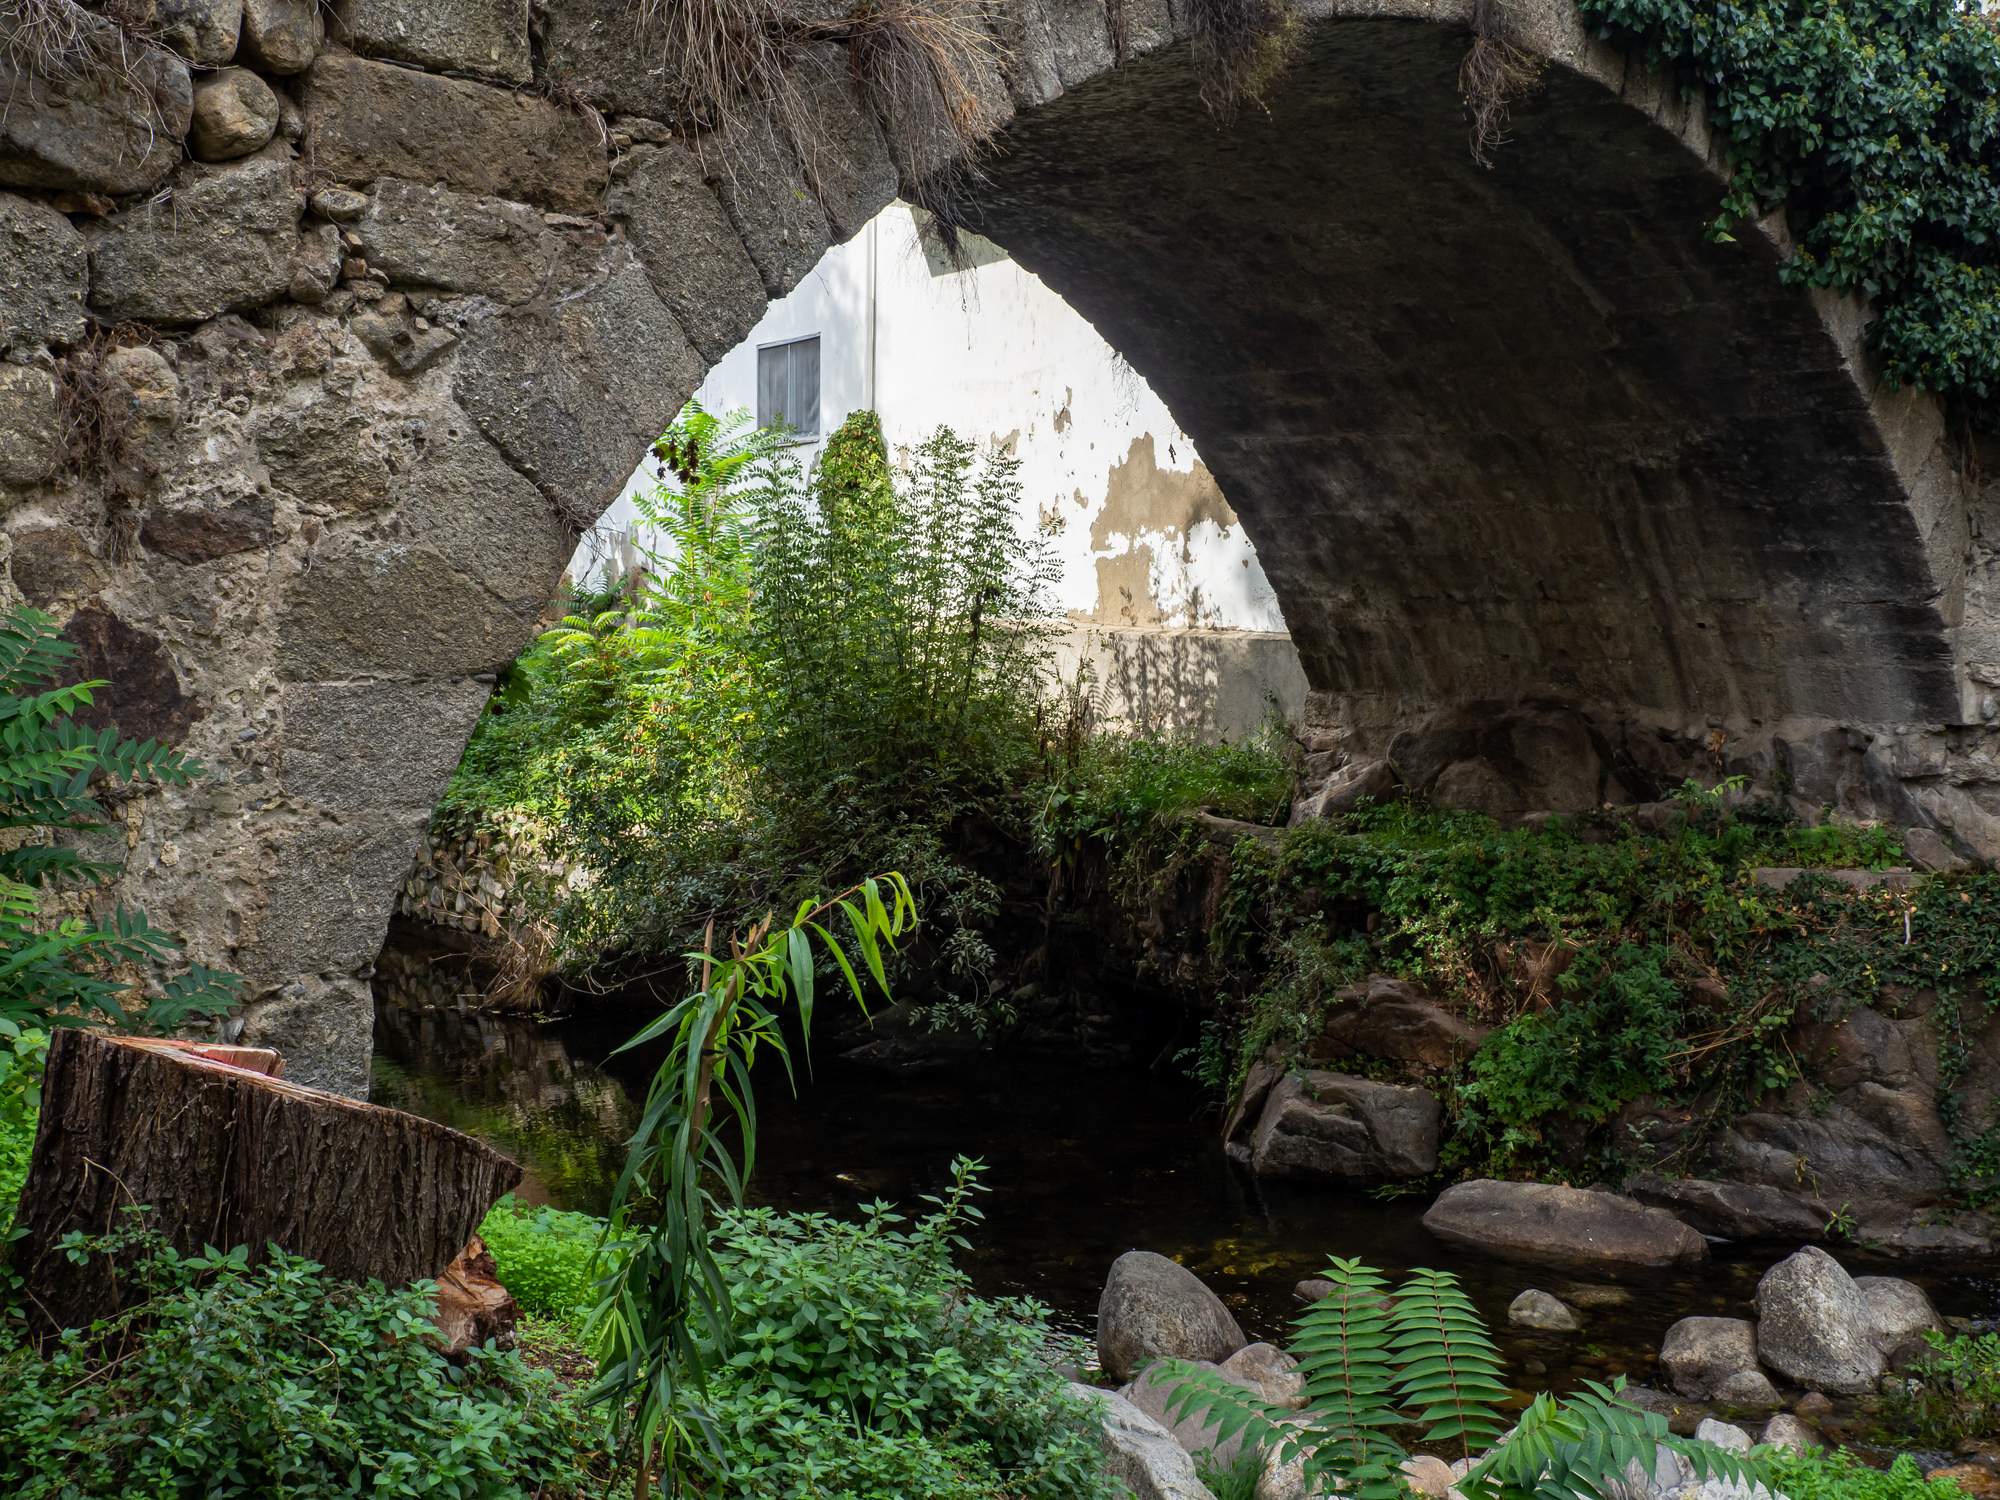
227, 1156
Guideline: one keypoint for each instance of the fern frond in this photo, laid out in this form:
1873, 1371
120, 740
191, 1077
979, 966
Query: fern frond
1450, 1379
1344, 1352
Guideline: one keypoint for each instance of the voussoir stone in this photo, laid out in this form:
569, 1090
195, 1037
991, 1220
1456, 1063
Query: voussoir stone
776, 213
1140, 1451
235, 113
1549, 1224
1699, 1354
488, 37
223, 241
689, 247
846, 161
366, 120
1813, 1325
1153, 1308
281, 36
114, 128
44, 272
1335, 1127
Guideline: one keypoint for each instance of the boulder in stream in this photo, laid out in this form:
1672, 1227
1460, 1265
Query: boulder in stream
1562, 1226
1538, 1310
1152, 1308
1140, 1451
1700, 1354
1336, 1127
1814, 1327
1899, 1315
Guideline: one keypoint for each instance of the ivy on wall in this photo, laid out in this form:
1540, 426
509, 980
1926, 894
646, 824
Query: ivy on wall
1877, 124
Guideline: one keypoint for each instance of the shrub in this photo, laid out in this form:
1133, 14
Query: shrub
861, 1364
21, 1053
1820, 1475
234, 1380
543, 1255
1953, 1391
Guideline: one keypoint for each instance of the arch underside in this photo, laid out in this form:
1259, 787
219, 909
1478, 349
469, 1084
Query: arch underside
1502, 435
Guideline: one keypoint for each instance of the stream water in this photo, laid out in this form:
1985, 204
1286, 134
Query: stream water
1083, 1163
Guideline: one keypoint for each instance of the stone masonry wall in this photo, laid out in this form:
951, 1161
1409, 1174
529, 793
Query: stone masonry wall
325, 328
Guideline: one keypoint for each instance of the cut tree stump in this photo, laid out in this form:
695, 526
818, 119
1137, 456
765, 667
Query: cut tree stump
226, 1155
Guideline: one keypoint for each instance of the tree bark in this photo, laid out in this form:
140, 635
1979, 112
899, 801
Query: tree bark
225, 1156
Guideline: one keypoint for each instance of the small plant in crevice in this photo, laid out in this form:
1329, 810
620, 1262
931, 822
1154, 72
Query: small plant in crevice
1496, 72
1241, 49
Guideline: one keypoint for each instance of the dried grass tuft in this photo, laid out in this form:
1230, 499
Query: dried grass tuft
1493, 76
95, 414
1241, 48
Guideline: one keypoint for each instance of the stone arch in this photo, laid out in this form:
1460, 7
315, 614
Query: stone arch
1508, 437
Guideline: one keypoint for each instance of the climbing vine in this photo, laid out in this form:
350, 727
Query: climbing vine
1876, 125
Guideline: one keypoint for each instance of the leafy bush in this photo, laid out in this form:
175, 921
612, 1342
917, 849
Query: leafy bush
71, 968
1953, 1391
235, 1380
1377, 1360
1820, 1475
543, 1255
21, 1054
1872, 121
859, 1363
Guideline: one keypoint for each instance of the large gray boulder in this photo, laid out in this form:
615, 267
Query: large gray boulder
1393, 1021
1899, 1315
1551, 1225
1700, 1354
44, 269
1140, 1451
1270, 1372
223, 241
1152, 1308
1338, 1128
110, 125
1813, 1325
1157, 1388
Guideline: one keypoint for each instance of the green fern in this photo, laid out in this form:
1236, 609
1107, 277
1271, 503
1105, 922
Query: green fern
1418, 1361
70, 970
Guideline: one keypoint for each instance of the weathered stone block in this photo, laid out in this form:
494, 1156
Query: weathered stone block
456, 241
151, 703
281, 36
595, 47
777, 215
110, 129
44, 269
235, 113
846, 161
464, 36
463, 501
366, 120
202, 31
52, 564
328, 454
324, 1028
30, 434
203, 533
349, 745
315, 265
691, 251
574, 394
223, 241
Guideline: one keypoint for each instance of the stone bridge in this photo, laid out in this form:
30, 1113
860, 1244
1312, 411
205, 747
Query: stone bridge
317, 360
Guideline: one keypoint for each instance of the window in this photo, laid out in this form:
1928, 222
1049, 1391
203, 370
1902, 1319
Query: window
788, 386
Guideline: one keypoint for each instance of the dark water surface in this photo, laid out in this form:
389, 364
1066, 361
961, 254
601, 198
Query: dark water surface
1083, 1164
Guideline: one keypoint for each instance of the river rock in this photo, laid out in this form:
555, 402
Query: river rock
115, 127
1537, 1309
1393, 1021
1562, 1226
1682, 1414
281, 36
1152, 1308
488, 37
1722, 1435
1699, 1354
1270, 1372
235, 113
1140, 1451
1429, 1475
224, 241
44, 270
1334, 1127
1157, 1388
1899, 1315
1814, 1325
1734, 1210
1787, 1431
1749, 1390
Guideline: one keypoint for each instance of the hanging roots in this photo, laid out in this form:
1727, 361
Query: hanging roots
1241, 47
1494, 74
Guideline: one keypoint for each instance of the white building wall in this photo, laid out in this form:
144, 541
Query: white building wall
1155, 572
